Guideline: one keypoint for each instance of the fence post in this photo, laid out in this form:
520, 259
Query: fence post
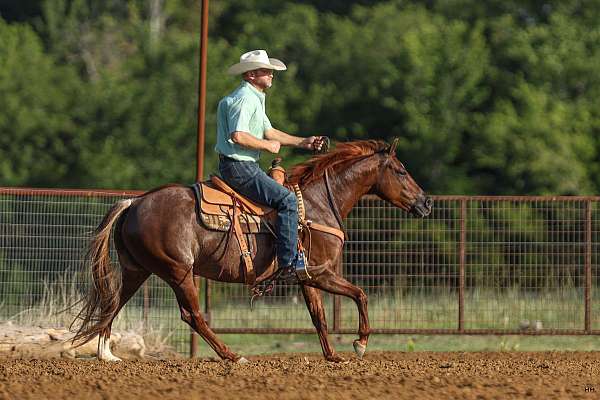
588, 264
462, 261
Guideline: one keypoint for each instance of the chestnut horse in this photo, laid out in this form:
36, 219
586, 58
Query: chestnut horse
158, 233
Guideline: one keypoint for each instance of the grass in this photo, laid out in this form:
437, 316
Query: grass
253, 344
59, 305
484, 309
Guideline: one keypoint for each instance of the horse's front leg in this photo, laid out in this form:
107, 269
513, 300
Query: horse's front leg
314, 303
331, 282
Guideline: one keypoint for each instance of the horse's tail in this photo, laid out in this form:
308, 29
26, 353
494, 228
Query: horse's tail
102, 301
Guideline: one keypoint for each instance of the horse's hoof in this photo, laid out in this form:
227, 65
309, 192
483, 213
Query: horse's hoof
336, 359
359, 349
243, 360
109, 358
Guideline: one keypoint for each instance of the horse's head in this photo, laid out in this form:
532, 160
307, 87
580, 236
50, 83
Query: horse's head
395, 185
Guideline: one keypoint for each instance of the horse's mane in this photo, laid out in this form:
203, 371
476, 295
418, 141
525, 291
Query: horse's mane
303, 174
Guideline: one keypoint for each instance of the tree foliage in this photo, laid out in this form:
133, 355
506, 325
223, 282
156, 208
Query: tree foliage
38, 136
495, 97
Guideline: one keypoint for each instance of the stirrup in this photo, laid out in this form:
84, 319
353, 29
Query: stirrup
287, 275
300, 266
261, 290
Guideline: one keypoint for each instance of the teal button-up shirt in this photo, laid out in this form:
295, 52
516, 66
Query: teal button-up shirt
241, 110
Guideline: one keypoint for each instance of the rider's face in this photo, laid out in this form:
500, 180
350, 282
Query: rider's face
261, 78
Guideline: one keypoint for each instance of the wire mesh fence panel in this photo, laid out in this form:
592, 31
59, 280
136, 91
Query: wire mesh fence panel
525, 264
476, 264
282, 310
408, 266
43, 238
593, 251
41, 245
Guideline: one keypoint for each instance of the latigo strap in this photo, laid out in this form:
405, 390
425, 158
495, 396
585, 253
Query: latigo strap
250, 274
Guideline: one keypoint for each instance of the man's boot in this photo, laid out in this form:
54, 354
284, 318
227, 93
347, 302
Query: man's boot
295, 272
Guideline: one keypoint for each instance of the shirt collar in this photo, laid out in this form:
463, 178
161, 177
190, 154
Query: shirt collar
254, 90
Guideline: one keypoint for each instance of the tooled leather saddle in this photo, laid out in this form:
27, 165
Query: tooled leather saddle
221, 208
216, 201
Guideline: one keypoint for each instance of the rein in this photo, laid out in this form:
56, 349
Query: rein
340, 233
332, 204
309, 224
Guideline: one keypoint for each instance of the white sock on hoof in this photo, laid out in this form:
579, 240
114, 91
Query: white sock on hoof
359, 349
104, 352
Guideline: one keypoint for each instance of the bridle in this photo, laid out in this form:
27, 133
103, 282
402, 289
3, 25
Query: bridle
332, 203
341, 232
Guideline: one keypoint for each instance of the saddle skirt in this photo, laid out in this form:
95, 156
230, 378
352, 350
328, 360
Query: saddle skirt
215, 201
221, 208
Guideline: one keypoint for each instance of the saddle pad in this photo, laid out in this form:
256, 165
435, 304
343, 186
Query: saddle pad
222, 223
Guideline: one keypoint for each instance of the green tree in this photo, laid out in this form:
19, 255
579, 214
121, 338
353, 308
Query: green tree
39, 140
487, 97
380, 73
139, 108
538, 135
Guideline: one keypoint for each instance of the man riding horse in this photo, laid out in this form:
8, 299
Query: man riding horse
160, 232
243, 131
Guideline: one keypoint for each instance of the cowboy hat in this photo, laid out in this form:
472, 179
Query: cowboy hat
256, 59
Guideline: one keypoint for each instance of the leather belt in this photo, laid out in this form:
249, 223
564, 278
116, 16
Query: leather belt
225, 158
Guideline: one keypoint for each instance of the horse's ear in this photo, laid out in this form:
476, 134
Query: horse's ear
392, 150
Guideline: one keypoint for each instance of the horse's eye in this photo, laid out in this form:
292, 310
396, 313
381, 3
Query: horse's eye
400, 170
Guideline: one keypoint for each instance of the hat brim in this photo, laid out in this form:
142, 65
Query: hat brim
242, 67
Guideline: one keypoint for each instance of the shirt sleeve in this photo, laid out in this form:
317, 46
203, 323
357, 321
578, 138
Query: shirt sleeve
267, 123
238, 117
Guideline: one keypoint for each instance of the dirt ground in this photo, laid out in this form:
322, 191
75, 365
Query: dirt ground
543, 375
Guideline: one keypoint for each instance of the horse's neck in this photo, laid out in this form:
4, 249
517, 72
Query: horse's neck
347, 187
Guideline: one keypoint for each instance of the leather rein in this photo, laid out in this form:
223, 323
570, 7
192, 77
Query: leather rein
333, 205
307, 225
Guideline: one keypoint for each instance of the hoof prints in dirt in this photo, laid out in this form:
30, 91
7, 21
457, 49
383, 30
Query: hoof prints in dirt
544, 375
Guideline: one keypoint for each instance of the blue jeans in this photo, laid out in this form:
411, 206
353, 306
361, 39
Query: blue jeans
249, 180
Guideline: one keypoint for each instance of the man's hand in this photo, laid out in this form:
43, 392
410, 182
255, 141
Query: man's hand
312, 143
272, 146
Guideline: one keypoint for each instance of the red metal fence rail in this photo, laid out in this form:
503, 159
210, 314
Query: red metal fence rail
477, 265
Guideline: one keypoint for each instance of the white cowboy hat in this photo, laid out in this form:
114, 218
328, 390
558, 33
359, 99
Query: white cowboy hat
256, 59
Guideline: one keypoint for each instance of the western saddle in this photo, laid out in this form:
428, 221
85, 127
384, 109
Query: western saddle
221, 208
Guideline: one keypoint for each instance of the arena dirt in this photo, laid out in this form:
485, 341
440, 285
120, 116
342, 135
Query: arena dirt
543, 375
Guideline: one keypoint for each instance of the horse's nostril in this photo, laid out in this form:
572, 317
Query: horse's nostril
428, 202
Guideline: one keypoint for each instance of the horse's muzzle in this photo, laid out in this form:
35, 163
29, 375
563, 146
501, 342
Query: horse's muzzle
422, 206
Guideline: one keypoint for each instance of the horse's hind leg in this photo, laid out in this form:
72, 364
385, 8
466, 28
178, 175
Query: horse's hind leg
187, 297
314, 302
132, 280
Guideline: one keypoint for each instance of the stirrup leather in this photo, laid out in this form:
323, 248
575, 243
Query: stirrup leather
221, 208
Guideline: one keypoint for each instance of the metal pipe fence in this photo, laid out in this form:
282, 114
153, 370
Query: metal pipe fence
477, 265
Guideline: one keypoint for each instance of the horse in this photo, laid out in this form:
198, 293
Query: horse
159, 233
